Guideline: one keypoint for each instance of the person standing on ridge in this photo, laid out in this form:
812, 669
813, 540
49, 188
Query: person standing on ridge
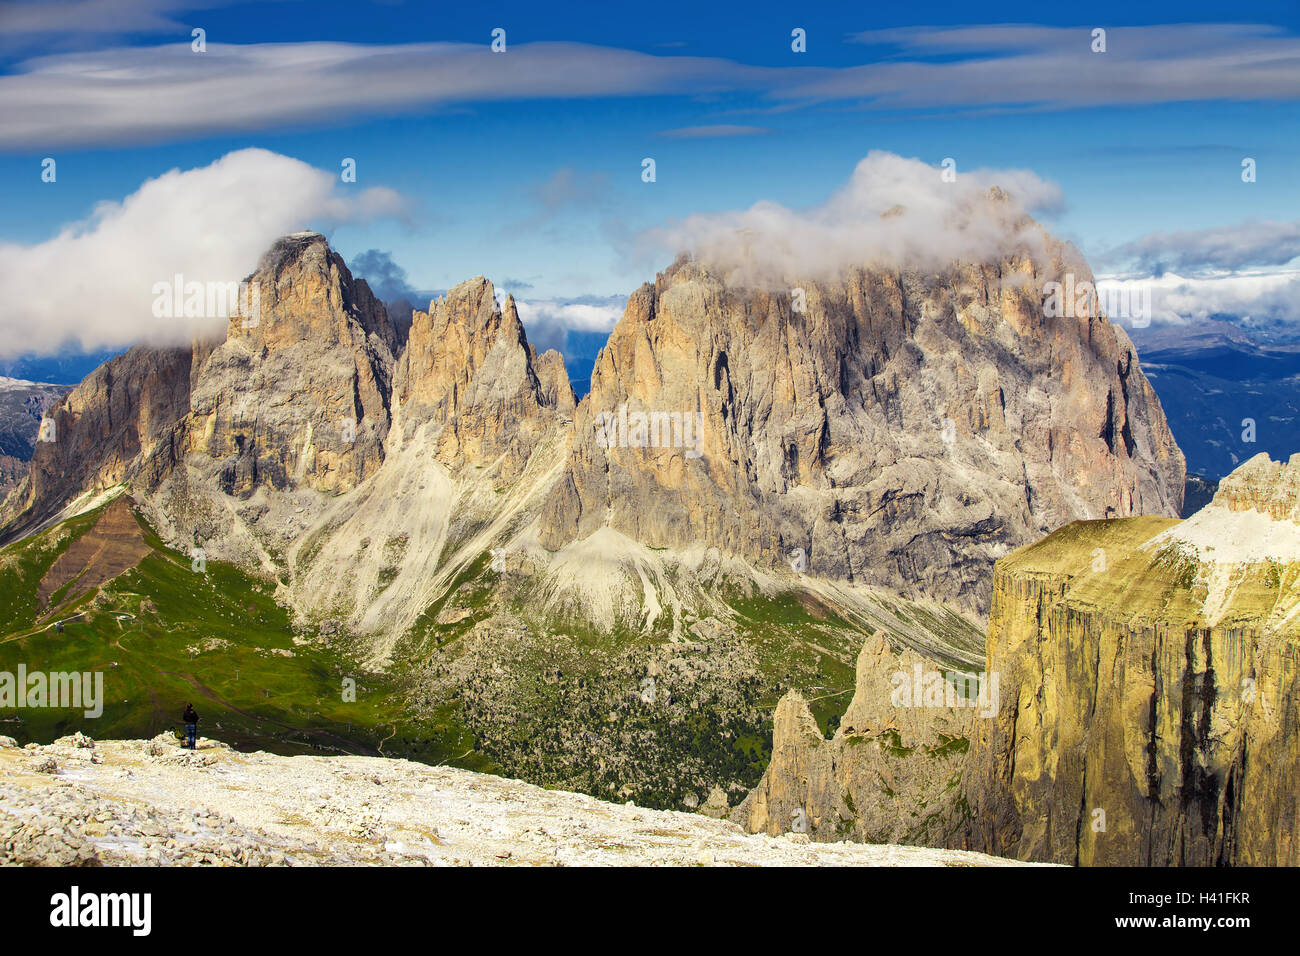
191, 719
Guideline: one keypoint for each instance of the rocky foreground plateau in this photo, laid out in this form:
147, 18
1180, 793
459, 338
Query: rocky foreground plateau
131, 802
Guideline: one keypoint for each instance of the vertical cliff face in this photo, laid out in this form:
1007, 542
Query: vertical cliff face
298, 394
890, 774
902, 429
472, 406
1150, 675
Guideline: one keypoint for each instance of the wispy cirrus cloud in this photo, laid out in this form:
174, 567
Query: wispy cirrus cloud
113, 17
131, 95
134, 94
1237, 246
568, 187
1027, 65
716, 131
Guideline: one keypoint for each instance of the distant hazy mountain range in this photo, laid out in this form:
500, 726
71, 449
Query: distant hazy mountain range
1216, 380
66, 368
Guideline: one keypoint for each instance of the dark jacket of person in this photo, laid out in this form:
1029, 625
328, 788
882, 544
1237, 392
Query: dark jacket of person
190, 716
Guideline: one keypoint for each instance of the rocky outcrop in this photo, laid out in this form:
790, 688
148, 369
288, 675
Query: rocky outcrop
553, 377
121, 425
898, 429
298, 393
1149, 669
12, 472
468, 371
1263, 485
892, 771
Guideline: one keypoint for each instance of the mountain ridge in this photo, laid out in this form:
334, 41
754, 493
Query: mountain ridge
446, 509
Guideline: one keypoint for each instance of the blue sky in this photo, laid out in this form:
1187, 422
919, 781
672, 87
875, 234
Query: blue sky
526, 166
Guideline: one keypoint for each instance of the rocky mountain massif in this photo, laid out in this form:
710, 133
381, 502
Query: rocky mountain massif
622, 617
901, 430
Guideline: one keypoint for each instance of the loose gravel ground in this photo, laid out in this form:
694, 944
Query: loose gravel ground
130, 802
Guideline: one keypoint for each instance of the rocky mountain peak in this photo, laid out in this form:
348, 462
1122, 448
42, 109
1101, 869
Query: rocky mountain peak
298, 392
120, 424
468, 372
303, 287
901, 429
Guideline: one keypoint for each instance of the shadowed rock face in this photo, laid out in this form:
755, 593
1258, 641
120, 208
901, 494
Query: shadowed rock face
1149, 673
902, 429
298, 395
553, 377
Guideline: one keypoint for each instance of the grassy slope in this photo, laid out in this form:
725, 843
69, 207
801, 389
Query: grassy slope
790, 640
139, 632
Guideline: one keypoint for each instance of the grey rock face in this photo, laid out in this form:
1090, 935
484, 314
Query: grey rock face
890, 773
553, 377
468, 371
903, 429
298, 394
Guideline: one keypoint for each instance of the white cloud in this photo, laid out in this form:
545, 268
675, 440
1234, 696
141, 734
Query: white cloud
1182, 300
893, 211
94, 16
92, 284
548, 321
135, 94
1017, 64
